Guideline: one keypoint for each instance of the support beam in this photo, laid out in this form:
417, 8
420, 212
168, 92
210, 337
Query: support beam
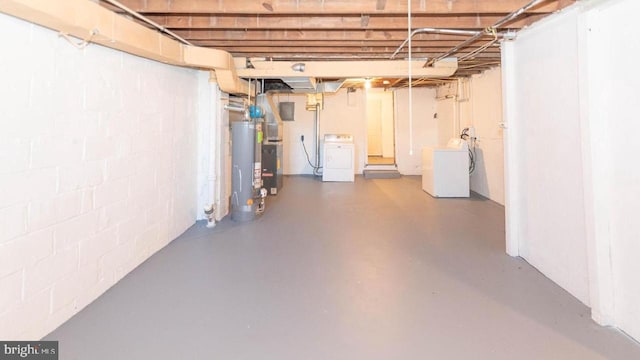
332, 69
355, 7
351, 22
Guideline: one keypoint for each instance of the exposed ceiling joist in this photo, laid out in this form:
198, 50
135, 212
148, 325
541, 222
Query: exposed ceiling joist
318, 7
272, 22
314, 30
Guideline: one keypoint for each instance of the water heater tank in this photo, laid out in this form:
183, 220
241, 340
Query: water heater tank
245, 169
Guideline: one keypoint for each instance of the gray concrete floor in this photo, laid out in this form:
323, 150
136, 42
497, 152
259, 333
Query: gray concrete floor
375, 269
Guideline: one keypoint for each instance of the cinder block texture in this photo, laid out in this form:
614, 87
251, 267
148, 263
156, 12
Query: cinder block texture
98, 171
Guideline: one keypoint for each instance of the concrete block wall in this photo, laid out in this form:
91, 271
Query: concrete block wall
98, 171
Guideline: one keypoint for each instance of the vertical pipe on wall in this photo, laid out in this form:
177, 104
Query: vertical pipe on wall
456, 117
395, 126
220, 162
213, 158
410, 79
317, 163
513, 205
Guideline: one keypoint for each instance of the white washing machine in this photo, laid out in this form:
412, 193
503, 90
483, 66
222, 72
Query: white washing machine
445, 170
338, 160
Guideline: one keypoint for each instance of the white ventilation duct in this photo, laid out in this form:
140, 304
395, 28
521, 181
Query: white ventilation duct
301, 84
330, 86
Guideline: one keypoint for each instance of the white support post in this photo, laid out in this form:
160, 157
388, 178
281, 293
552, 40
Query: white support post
511, 150
596, 172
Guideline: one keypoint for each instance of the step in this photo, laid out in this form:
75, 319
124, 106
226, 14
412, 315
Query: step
381, 174
381, 167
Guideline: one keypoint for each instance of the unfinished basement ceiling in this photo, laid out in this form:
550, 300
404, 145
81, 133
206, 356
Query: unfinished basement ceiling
308, 30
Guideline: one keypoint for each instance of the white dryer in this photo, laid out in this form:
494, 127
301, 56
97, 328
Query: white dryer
338, 160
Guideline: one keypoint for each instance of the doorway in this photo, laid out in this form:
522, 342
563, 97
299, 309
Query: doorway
380, 128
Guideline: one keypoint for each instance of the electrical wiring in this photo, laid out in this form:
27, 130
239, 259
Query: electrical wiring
316, 167
471, 148
472, 157
82, 44
482, 48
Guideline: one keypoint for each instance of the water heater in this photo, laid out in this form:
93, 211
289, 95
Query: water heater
246, 180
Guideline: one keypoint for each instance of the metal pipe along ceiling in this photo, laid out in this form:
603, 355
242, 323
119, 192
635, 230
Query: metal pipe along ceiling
434, 31
147, 20
477, 36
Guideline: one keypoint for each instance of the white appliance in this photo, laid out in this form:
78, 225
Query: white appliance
445, 170
338, 160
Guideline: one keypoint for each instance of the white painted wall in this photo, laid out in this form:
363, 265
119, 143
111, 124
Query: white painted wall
425, 128
484, 112
573, 186
343, 113
294, 160
447, 117
98, 152
346, 113
550, 157
610, 96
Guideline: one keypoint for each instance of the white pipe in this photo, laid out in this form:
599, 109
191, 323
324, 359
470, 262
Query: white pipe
456, 117
410, 79
213, 152
147, 20
222, 190
315, 170
395, 126
235, 108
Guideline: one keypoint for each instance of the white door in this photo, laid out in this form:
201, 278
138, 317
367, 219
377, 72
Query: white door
374, 127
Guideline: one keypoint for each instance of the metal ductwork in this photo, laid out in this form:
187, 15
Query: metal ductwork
301, 84
309, 85
330, 86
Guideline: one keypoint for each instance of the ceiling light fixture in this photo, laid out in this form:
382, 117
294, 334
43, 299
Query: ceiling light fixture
299, 67
367, 84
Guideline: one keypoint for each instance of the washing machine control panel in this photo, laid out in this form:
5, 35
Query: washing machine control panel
338, 138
